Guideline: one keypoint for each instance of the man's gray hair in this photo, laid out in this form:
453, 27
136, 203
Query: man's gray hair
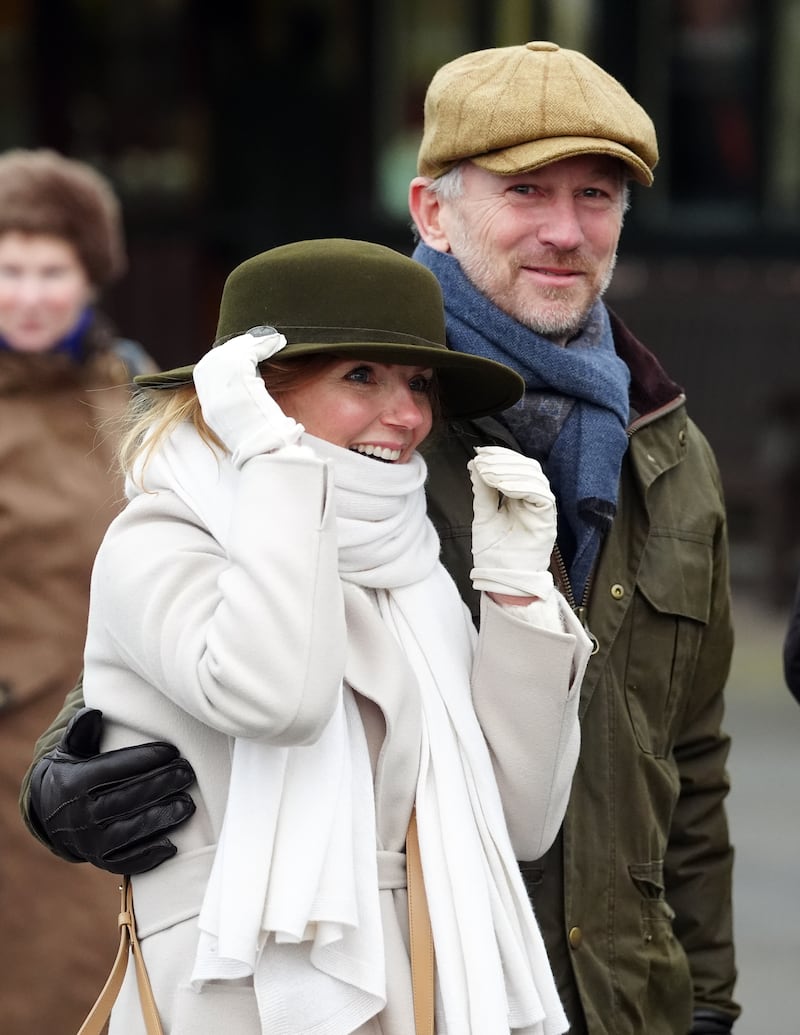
450, 185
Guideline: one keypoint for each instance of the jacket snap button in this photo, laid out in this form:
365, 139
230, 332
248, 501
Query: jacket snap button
617, 591
575, 937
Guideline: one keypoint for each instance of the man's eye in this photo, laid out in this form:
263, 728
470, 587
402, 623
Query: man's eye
595, 194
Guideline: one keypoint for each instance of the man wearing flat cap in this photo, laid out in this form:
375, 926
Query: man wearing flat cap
524, 174
525, 165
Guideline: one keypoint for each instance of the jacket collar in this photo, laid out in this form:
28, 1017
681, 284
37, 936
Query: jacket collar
651, 387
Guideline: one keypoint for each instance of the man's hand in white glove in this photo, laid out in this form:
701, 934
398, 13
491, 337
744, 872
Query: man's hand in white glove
234, 399
514, 524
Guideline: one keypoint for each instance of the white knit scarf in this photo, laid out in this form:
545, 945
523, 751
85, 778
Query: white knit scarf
293, 895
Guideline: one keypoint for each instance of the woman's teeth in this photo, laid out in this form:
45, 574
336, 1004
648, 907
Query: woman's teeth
379, 453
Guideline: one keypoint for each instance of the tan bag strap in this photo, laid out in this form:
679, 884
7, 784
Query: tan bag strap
128, 943
420, 936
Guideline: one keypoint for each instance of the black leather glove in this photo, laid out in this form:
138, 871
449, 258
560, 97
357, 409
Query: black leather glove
112, 809
711, 1022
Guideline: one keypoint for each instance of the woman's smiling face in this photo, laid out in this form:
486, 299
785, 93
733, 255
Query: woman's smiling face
378, 409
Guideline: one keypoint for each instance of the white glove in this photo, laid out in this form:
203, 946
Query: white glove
234, 399
514, 524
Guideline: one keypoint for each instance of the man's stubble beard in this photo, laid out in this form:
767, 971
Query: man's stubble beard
550, 314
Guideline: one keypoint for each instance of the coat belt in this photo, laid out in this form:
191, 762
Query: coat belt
174, 891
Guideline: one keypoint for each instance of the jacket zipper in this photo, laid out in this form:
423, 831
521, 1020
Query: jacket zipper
580, 610
562, 578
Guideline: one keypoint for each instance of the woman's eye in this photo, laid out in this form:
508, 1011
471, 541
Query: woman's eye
421, 383
359, 374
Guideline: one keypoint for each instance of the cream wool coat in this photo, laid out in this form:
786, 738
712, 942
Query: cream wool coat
195, 646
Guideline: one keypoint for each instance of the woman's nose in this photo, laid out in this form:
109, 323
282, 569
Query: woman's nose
28, 290
405, 409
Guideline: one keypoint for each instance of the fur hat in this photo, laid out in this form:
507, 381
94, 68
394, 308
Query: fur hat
513, 109
360, 300
42, 192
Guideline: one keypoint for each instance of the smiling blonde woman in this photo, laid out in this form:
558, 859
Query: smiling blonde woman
271, 601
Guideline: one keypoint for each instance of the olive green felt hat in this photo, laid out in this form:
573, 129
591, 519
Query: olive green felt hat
352, 298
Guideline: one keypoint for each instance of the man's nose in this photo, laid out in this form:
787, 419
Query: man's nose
561, 227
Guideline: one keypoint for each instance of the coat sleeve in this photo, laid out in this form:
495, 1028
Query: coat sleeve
46, 742
791, 649
526, 689
248, 639
699, 858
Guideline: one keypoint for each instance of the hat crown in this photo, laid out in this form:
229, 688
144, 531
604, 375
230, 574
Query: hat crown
511, 109
322, 291
361, 301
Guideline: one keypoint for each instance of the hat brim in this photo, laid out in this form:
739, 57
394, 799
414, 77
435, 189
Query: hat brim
469, 386
511, 161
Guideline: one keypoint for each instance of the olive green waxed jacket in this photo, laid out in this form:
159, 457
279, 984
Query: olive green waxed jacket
634, 899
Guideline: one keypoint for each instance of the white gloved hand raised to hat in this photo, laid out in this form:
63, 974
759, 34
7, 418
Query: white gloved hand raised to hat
234, 399
514, 524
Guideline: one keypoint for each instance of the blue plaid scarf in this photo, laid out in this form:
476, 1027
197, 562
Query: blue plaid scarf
574, 415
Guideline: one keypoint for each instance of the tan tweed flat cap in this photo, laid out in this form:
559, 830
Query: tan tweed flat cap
512, 109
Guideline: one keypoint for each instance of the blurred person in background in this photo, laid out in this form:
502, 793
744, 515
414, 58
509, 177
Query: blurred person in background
64, 375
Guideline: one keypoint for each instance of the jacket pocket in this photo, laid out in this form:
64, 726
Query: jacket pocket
665, 967
656, 913
668, 617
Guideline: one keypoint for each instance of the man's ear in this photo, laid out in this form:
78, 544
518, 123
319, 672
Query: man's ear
425, 208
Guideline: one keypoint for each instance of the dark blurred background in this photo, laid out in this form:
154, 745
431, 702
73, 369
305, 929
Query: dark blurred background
230, 127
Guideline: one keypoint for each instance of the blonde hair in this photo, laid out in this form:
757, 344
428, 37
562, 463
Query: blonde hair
154, 413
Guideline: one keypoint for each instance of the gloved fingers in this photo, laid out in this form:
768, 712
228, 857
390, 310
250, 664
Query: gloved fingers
131, 844
244, 351
235, 362
136, 843
86, 773
83, 733
265, 342
142, 793
530, 486
136, 859
145, 826
235, 401
513, 474
485, 498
